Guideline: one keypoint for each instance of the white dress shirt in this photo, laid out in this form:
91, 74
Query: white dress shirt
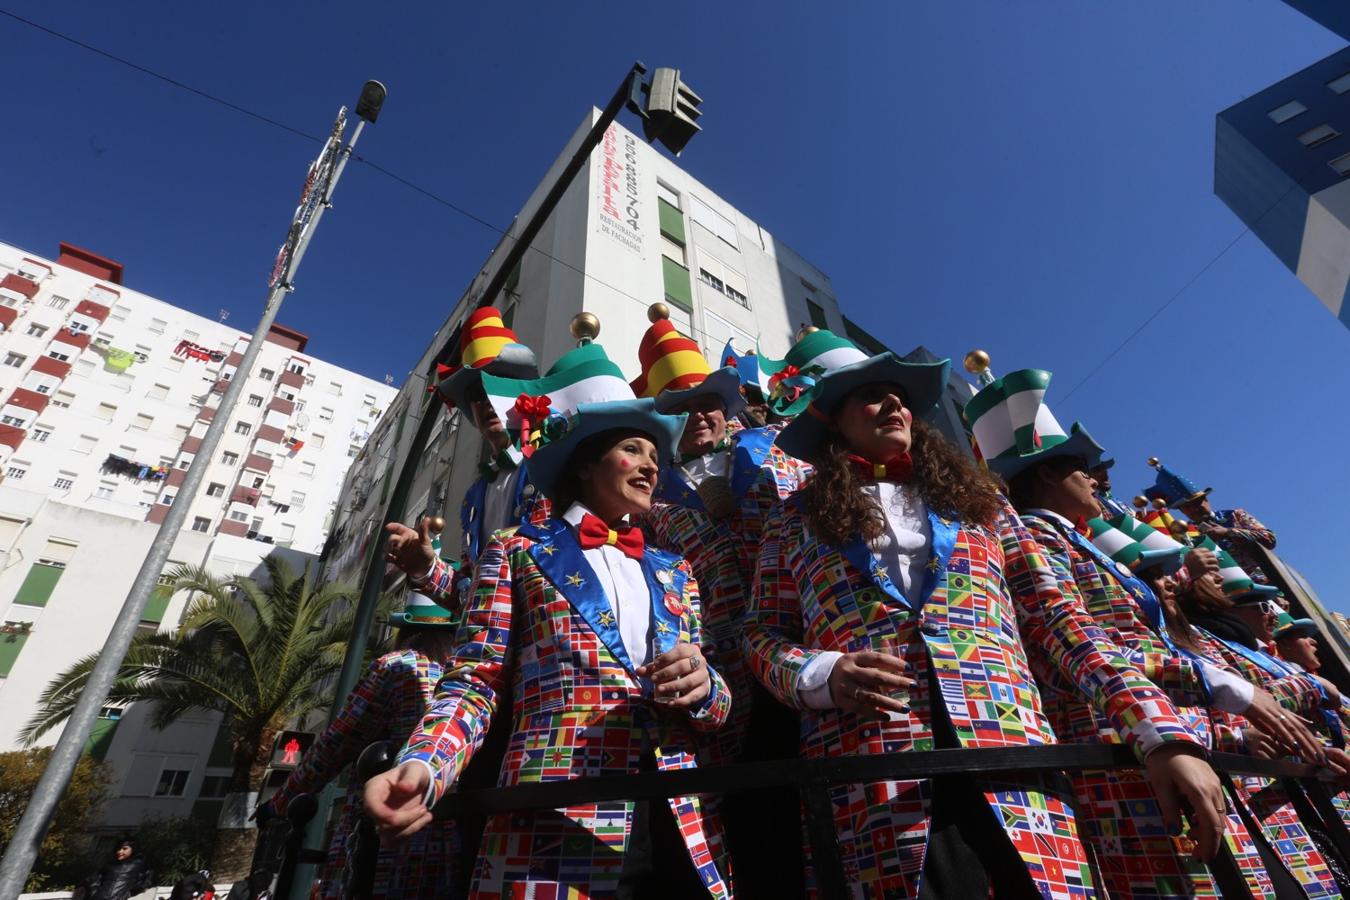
625, 587
715, 464
903, 550
1228, 691
500, 495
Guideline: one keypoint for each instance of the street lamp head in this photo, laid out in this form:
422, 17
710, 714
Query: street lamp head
372, 98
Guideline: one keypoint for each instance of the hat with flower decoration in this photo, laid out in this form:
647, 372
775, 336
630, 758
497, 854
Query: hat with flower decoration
1172, 487
486, 345
675, 372
836, 367
583, 394
1016, 430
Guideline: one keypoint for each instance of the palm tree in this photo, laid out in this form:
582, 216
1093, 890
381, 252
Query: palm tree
259, 654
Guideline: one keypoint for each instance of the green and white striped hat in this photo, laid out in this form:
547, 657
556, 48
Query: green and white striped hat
1235, 578
421, 609
1015, 429
584, 393
1125, 547
791, 378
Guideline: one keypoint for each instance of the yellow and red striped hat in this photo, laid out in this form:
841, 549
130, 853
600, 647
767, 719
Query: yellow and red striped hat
675, 371
486, 344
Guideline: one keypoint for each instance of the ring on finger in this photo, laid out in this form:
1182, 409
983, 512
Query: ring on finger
694, 663
857, 692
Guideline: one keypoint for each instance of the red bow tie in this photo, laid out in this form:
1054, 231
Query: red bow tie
898, 469
593, 532
1082, 527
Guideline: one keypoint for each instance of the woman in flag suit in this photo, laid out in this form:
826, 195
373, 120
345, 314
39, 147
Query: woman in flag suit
387, 704
595, 638
888, 582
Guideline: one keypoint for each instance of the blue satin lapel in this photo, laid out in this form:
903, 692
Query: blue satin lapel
944, 543
665, 583
471, 517
673, 487
861, 558
559, 557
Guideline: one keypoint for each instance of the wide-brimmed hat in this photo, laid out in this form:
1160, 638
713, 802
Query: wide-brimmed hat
1173, 487
674, 372
1287, 626
583, 394
1016, 430
836, 367
747, 367
486, 346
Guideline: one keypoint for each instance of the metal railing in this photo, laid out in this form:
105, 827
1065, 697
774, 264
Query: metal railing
814, 778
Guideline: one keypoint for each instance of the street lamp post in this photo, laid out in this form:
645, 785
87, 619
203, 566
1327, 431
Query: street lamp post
315, 199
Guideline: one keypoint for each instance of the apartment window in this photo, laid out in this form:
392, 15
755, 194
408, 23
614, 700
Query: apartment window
201, 523
1316, 137
307, 469
817, 313
41, 580
315, 441
157, 326
105, 490
296, 368
298, 499
63, 399
266, 374
180, 433
36, 330
120, 312
674, 251
239, 516
167, 499
335, 389
77, 327
147, 500
259, 481
16, 472
142, 422
1341, 164
105, 412
58, 302
85, 368
284, 395
172, 783
15, 360
369, 400
215, 489
710, 280
40, 433
1286, 112
242, 428
157, 392
58, 355
174, 363
736, 295
325, 414
103, 340
64, 481
667, 193
229, 457
353, 450
16, 421
184, 462
254, 400
85, 443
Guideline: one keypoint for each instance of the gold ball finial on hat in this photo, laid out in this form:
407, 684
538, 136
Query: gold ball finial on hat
1154, 462
585, 326
1159, 503
977, 362
1140, 502
657, 311
805, 330
436, 523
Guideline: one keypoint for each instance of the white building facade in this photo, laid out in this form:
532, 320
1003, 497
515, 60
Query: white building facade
106, 394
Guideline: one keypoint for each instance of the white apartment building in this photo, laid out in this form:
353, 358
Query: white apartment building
105, 394
633, 229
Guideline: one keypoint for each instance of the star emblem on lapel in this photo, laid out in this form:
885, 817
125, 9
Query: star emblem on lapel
944, 521
878, 572
663, 627
933, 564
606, 618
547, 549
575, 580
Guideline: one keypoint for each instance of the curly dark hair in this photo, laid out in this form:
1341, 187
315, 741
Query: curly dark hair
948, 481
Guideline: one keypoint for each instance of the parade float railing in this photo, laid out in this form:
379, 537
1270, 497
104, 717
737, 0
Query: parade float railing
813, 779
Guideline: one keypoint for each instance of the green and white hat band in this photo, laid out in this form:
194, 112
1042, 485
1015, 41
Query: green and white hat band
1235, 578
1150, 537
1118, 545
583, 375
418, 608
822, 350
1010, 419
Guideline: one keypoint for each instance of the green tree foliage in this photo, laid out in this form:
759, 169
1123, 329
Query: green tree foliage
62, 859
174, 848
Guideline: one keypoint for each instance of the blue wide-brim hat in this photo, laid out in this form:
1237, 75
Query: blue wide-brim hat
514, 361
1169, 560
1291, 627
1254, 594
547, 464
724, 383
922, 384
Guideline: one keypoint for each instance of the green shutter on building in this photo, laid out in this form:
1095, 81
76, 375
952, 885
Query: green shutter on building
672, 220
155, 608
100, 739
38, 586
10, 645
513, 278
678, 288
817, 314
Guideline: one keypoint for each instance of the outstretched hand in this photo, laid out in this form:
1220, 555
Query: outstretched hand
396, 801
410, 550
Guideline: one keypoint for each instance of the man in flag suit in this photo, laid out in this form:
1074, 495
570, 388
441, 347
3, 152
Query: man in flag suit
1047, 472
595, 637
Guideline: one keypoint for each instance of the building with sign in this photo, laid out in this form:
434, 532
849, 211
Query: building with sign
633, 229
105, 394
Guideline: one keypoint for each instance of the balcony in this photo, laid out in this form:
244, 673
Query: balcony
231, 527
243, 494
176, 477
281, 405
220, 386
258, 463
206, 414
190, 444
8, 315
11, 437
22, 397
77, 339
292, 379
158, 513
92, 310
234, 359
53, 367
19, 285
271, 433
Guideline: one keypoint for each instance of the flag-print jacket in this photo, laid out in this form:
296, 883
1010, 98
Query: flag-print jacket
387, 704
812, 597
539, 625
721, 553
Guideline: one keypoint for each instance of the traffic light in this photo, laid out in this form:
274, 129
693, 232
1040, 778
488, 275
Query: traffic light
289, 748
672, 110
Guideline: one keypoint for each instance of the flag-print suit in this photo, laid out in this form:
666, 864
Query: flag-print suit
812, 597
721, 552
539, 625
1245, 531
1118, 810
387, 704
448, 587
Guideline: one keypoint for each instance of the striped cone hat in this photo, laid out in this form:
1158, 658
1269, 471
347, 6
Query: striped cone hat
421, 609
1126, 548
675, 372
584, 393
486, 344
1165, 528
1016, 430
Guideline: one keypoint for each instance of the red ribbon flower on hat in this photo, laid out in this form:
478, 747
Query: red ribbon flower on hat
532, 411
778, 377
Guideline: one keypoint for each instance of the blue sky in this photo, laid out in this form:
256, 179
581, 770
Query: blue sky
1031, 178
